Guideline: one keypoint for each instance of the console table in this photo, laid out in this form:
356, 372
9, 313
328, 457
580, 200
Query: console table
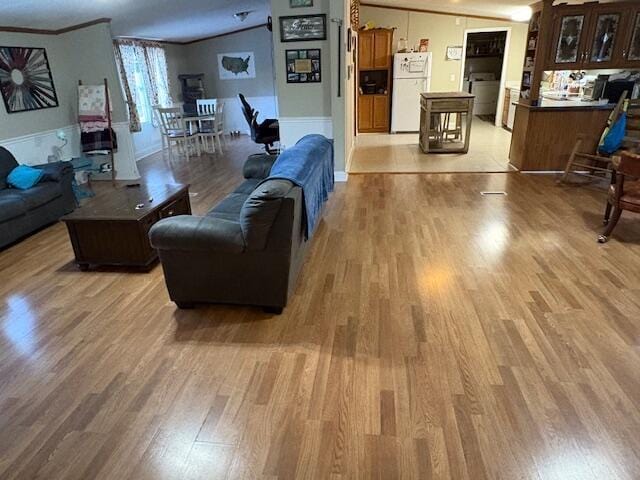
441, 122
113, 228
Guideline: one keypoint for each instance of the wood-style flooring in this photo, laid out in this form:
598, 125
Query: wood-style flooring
434, 334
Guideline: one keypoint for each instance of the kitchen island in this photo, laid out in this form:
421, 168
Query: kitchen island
544, 136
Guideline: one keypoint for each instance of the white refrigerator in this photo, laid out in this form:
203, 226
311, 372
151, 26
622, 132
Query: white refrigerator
411, 77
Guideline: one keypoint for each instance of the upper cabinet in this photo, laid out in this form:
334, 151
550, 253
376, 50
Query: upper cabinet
374, 51
570, 26
605, 31
631, 45
593, 36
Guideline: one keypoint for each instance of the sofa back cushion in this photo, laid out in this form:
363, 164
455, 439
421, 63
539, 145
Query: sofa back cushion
7, 163
260, 211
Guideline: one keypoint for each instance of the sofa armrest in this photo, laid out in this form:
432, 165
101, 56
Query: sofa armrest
258, 166
55, 172
191, 233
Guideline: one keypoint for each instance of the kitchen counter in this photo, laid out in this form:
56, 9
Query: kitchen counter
544, 136
567, 105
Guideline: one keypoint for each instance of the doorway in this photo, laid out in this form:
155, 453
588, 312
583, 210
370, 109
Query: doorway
484, 71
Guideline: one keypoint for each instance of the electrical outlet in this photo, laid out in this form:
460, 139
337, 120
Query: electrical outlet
452, 77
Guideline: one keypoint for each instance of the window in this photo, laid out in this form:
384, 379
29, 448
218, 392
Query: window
145, 80
144, 107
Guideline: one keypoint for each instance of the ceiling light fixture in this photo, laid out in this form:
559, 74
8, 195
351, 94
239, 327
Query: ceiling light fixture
242, 16
522, 14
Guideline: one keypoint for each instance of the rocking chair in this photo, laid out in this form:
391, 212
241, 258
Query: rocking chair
585, 159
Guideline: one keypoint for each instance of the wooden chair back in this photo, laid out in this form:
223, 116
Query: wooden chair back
219, 122
206, 106
632, 136
170, 120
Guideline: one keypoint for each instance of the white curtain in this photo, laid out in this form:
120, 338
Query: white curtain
150, 58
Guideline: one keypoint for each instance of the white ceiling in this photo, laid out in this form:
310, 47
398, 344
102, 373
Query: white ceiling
176, 20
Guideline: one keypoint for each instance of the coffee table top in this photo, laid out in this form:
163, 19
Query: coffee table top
120, 203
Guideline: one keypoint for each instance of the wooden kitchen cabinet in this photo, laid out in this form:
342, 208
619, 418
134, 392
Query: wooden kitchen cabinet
381, 113
365, 50
604, 36
630, 52
382, 39
570, 27
595, 36
374, 49
375, 61
365, 113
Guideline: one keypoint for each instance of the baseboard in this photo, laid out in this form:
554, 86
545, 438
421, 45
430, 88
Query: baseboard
34, 148
293, 129
340, 176
147, 152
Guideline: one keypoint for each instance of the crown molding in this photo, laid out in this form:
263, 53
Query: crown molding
438, 12
39, 31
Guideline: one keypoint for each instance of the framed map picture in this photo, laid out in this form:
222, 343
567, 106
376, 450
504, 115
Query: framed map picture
25, 79
236, 66
303, 66
303, 28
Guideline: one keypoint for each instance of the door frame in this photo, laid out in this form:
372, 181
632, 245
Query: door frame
503, 75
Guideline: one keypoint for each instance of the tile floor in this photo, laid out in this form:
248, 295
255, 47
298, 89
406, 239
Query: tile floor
400, 153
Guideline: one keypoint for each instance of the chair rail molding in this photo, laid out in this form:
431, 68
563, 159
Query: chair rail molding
34, 148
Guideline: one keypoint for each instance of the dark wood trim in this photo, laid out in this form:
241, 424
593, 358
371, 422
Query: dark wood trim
436, 12
219, 35
83, 25
39, 31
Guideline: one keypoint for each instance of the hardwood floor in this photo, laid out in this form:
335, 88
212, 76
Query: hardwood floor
435, 333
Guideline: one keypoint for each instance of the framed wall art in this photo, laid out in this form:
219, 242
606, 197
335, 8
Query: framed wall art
303, 66
236, 66
25, 79
300, 3
303, 28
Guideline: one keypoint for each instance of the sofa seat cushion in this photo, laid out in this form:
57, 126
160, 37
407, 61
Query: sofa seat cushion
232, 204
248, 186
40, 194
11, 205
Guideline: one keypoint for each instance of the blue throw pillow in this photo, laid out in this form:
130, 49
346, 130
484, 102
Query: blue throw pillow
24, 177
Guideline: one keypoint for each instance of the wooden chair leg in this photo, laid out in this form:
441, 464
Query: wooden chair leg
604, 238
572, 157
607, 214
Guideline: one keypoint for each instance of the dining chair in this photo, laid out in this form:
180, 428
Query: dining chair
174, 131
206, 106
213, 130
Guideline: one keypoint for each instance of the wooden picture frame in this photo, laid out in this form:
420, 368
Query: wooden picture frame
303, 28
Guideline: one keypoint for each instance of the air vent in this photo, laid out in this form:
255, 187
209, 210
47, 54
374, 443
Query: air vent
487, 194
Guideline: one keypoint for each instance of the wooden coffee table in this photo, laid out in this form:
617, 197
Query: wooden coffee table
113, 228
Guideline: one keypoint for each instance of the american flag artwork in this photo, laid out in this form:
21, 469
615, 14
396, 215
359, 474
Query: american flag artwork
25, 79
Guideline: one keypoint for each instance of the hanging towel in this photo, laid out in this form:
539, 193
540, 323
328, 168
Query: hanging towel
98, 140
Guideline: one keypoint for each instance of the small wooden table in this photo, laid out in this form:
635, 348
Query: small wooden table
436, 133
113, 228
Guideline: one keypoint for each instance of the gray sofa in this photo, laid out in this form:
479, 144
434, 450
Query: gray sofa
24, 211
247, 250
